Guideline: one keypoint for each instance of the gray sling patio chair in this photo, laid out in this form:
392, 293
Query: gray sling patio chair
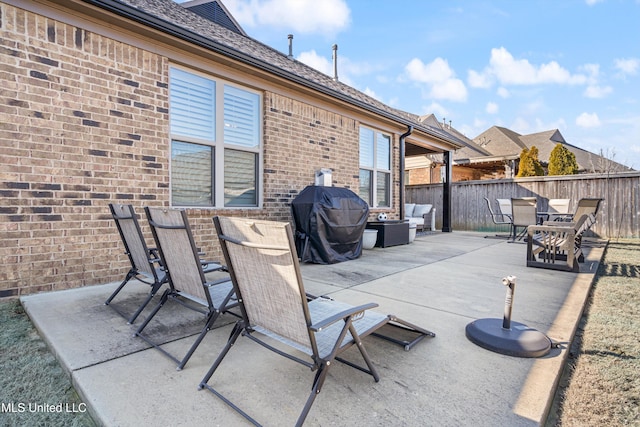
145, 263
499, 219
585, 206
505, 207
524, 214
558, 208
186, 276
263, 264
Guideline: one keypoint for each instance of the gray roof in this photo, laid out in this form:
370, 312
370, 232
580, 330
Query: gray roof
502, 141
173, 18
469, 149
215, 10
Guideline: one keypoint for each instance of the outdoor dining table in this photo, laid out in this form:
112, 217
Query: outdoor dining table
552, 216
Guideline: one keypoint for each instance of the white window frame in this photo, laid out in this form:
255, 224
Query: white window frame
376, 168
219, 145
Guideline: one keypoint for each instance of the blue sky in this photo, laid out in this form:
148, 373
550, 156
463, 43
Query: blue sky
528, 65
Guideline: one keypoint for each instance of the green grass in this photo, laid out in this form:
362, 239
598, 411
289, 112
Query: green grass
34, 390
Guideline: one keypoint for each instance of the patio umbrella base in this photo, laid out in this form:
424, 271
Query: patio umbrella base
519, 340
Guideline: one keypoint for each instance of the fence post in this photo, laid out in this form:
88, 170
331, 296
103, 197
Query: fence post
446, 194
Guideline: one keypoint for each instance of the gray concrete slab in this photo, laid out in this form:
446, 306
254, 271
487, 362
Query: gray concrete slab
441, 282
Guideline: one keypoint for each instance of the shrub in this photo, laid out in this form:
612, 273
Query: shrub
562, 161
529, 163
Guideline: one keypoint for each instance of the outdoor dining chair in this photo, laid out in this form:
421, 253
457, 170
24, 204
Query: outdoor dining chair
499, 218
263, 264
505, 207
524, 214
585, 206
145, 263
557, 210
186, 276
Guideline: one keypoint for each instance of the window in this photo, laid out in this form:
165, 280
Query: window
215, 142
375, 168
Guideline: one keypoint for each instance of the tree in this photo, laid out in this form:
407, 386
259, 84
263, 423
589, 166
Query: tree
562, 161
529, 163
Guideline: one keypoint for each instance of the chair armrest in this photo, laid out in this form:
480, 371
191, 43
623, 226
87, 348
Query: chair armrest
552, 226
154, 256
209, 266
318, 326
430, 218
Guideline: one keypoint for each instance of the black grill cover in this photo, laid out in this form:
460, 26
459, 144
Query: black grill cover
329, 223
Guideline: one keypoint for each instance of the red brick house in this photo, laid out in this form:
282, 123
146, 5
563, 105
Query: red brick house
148, 103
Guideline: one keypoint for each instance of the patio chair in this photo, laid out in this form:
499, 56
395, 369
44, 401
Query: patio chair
585, 206
558, 209
499, 218
505, 207
524, 214
264, 268
145, 263
558, 245
186, 276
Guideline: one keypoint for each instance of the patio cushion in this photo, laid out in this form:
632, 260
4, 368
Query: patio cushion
420, 210
408, 209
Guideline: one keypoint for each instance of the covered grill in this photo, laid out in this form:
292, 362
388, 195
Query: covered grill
329, 224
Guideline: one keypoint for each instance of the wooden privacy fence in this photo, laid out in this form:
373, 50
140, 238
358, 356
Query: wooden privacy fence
618, 217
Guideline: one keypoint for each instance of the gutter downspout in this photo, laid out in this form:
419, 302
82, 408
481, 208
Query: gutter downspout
402, 151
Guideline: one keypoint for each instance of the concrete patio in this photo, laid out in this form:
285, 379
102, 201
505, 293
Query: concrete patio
441, 282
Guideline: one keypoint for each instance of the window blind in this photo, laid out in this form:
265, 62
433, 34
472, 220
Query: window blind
192, 103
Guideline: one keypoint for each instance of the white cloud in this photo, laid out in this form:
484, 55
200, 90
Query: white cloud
316, 61
629, 66
503, 92
451, 89
436, 71
588, 120
301, 16
478, 80
439, 77
372, 94
347, 69
491, 108
437, 109
597, 91
593, 72
507, 70
593, 2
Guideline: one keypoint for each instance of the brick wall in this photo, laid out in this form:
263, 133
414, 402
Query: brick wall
84, 122
300, 139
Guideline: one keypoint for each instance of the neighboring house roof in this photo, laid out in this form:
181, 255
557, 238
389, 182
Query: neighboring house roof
469, 149
500, 141
498, 144
172, 18
505, 142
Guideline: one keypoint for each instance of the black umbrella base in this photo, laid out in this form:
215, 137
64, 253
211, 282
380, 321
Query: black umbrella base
519, 340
